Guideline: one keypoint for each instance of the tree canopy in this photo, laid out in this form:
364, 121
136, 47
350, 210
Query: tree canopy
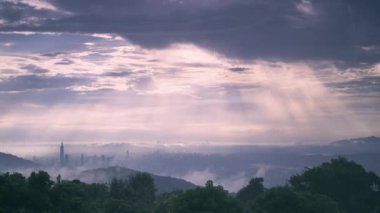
337, 186
346, 182
286, 200
254, 188
205, 199
39, 194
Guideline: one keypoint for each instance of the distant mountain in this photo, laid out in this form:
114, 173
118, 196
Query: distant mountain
12, 162
368, 141
342, 147
162, 183
358, 145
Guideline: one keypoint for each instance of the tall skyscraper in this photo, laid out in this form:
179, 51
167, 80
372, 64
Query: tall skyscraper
67, 159
62, 154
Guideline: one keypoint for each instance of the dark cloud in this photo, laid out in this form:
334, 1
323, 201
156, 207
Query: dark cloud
53, 54
65, 61
18, 14
12, 12
35, 69
36, 82
366, 85
119, 74
238, 69
286, 30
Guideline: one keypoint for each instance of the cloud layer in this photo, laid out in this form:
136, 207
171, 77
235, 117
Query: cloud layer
189, 71
339, 30
114, 90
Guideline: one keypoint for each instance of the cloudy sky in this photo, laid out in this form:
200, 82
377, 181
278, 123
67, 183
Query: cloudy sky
189, 71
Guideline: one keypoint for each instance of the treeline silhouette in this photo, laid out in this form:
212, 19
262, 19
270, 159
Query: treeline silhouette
335, 186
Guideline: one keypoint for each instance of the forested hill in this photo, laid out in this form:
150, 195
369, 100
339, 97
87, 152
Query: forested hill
105, 175
11, 162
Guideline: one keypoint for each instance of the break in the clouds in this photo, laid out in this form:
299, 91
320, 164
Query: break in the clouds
185, 72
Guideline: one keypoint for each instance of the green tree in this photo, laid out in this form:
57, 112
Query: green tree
113, 205
254, 188
40, 181
69, 196
13, 193
118, 189
135, 195
143, 189
286, 200
75, 196
209, 199
164, 202
39, 185
354, 189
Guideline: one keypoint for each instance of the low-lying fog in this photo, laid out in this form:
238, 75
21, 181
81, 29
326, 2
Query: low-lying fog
230, 166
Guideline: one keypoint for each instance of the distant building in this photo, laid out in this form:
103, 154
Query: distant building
66, 159
81, 159
103, 159
62, 154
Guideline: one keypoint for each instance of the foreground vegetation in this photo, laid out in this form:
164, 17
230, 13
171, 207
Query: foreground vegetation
336, 186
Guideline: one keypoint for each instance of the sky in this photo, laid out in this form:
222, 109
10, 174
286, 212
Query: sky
189, 72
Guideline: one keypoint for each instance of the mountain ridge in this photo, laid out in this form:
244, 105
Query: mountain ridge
365, 140
9, 161
105, 175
